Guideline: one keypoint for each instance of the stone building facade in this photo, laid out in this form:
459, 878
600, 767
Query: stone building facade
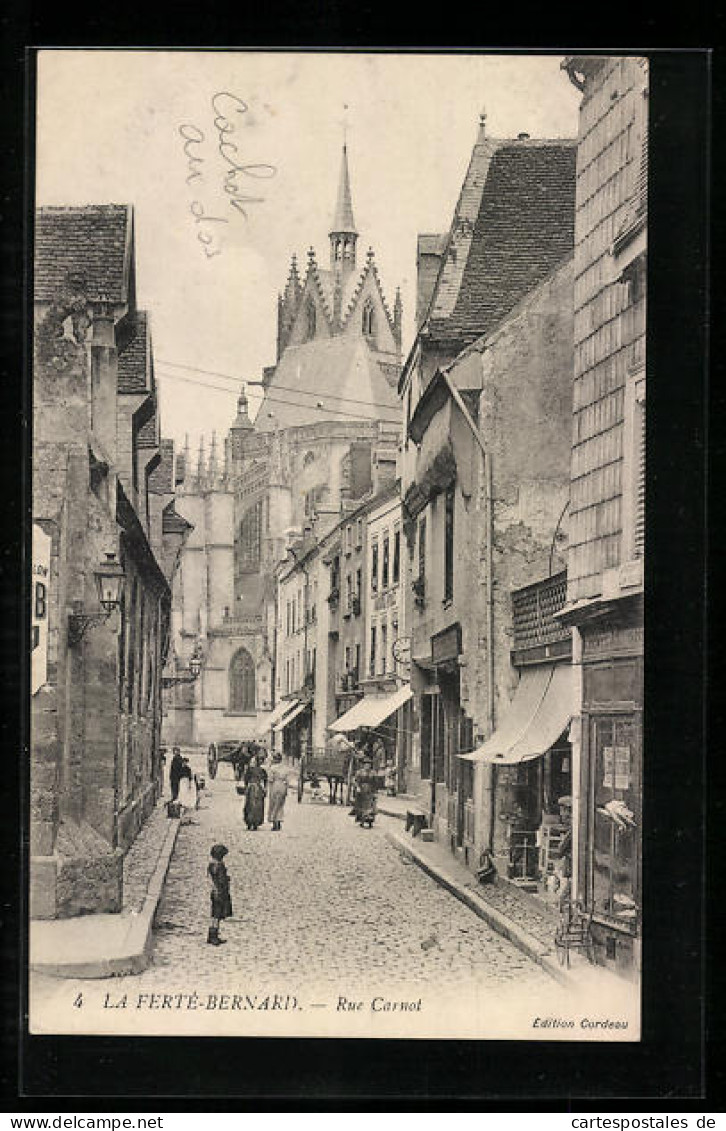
607, 507
102, 485
325, 432
483, 501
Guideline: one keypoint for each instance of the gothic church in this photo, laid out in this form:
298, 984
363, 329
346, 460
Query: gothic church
325, 436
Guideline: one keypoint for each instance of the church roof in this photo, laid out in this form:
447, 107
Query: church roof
340, 373
343, 219
514, 223
91, 243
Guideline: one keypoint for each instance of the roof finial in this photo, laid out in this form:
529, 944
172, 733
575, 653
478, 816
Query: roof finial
482, 120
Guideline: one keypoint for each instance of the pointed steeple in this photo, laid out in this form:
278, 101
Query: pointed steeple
343, 220
398, 319
343, 234
201, 469
242, 420
212, 469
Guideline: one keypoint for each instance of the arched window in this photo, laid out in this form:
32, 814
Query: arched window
242, 682
310, 316
369, 319
248, 541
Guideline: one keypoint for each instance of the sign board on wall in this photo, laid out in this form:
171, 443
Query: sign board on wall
39, 595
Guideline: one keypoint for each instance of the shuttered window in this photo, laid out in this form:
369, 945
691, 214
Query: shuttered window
639, 486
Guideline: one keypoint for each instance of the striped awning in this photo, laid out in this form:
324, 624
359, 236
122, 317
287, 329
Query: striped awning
297, 709
275, 715
540, 711
371, 710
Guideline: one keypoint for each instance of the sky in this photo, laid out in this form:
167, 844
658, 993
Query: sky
213, 244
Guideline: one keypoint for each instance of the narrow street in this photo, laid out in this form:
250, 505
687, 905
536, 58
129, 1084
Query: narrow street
324, 908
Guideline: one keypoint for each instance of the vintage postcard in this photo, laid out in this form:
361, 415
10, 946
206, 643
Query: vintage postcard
338, 487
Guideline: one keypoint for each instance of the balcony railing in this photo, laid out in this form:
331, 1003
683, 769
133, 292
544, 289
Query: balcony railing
534, 609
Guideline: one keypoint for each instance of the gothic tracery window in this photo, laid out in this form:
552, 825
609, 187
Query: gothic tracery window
242, 682
369, 321
248, 543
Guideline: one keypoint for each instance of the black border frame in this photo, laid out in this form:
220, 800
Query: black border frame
669, 1064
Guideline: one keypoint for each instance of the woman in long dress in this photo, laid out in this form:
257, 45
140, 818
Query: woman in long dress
255, 781
364, 804
278, 792
187, 795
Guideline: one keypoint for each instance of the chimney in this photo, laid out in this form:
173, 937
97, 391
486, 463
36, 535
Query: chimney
523, 137
104, 376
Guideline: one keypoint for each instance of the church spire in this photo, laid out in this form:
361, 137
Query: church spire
343, 234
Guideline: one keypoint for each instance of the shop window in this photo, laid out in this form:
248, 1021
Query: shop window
449, 544
426, 732
242, 682
615, 819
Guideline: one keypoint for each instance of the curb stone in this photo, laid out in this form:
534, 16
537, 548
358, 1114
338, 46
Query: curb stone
133, 949
498, 922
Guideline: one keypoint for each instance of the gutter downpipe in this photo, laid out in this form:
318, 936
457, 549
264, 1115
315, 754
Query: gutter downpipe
489, 523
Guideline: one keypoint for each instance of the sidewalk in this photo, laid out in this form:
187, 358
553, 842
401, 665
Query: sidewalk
526, 922
101, 946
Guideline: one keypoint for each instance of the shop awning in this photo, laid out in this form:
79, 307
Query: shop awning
371, 710
540, 711
296, 709
275, 716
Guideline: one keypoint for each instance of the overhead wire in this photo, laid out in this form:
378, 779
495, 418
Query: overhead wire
238, 381
269, 396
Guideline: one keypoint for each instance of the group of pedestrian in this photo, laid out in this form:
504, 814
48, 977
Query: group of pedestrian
261, 782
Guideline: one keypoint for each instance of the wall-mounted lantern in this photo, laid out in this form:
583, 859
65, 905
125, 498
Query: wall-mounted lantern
109, 579
193, 672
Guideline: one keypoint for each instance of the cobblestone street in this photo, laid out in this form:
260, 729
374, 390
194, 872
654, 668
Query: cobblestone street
323, 910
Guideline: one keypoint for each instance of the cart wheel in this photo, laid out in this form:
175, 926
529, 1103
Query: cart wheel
212, 760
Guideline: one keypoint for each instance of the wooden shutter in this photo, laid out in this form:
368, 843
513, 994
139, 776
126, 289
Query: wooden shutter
639, 524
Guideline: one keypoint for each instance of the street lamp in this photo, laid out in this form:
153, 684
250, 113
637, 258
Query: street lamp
109, 579
193, 672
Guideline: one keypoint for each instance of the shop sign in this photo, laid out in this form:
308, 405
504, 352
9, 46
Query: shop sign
39, 594
609, 641
446, 645
616, 767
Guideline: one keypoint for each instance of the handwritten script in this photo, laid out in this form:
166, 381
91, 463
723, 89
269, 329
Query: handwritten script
226, 172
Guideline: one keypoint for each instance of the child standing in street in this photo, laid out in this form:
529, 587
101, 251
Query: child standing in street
219, 892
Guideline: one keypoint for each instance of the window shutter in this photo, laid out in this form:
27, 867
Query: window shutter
639, 525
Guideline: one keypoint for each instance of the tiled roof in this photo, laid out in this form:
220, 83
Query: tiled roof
173, 523
134, 357
341, 372
90, 243
514, 223
148, 436
161, 480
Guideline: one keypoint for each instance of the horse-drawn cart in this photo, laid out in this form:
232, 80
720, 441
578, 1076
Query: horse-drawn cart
236, 753
335, 763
